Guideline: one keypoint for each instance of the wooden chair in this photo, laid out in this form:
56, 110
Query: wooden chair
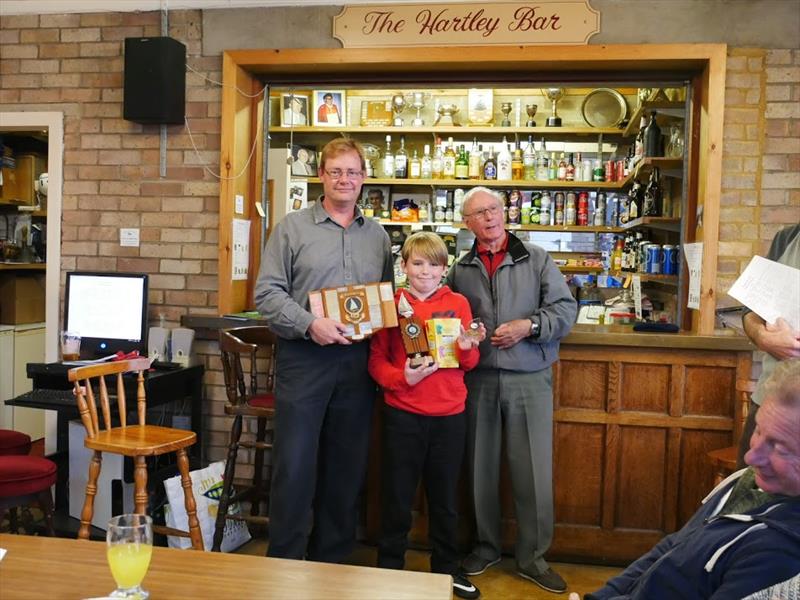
136, 441
724, 459
251, 398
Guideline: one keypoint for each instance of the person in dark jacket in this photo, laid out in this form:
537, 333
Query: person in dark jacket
526, 306
746, 536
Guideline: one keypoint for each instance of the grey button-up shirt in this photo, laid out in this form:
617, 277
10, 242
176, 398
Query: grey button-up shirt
308, 251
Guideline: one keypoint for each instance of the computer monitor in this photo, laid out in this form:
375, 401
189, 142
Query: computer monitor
108, 310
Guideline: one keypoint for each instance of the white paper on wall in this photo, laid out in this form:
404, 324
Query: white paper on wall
694, 261
241, 249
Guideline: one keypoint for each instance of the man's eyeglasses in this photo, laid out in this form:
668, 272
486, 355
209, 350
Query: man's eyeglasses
338, 173
484, 212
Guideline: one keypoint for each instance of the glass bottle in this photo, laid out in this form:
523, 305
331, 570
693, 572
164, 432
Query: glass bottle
426, 164
437, 162
504, 162
570, 176
388, 159
638, 147
529, 160
652, 137
449, 161
561, 174
490, 166
651, 205
414, 166
552, 171
517, 165
541, 163
401, 160
475, 161
462, 164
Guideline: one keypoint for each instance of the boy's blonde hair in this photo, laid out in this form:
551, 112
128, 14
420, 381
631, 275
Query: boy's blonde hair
428, 245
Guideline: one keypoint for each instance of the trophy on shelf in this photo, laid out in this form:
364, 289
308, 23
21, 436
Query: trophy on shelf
446, 112
371, 154
554, 95
505, 108
398, 106
415, 337
531, 110
418, 100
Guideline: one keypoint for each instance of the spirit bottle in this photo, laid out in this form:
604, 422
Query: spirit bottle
415, 166
652, 137
462, 164
529, 160
437, 162
388, 159
541, 164
475, 160
571, 169
504, 162
426, 166
638, 151
562, 169
552, 171
651, 206
490, 166
401, 160
449, 161
517, 169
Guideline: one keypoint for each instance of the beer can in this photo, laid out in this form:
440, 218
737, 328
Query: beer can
525, 215
654, 256
620, 170
670, 254
611, 170
612, 211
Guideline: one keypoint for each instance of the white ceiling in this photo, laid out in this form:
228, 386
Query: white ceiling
23, 7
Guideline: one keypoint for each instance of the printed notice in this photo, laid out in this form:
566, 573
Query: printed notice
694, 260
770, 290
241, 249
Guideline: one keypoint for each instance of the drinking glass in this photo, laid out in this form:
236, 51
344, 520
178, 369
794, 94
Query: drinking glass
130, 545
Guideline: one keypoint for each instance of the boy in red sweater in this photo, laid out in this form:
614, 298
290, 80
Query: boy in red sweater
424, 424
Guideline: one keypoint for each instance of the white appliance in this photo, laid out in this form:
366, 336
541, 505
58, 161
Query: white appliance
107, 489
6, 375
28, 347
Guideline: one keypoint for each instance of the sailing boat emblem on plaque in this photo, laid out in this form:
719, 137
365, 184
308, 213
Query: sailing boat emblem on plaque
353, 306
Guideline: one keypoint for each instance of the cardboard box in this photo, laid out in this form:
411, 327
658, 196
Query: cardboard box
442, 335
21, 297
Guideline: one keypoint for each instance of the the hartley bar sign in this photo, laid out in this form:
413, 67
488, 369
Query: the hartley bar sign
533, 23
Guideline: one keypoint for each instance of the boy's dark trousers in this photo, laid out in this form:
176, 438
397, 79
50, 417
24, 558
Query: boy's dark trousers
417, 446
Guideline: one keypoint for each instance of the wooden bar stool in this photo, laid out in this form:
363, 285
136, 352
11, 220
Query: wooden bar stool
255, 399
724, 459
136, 441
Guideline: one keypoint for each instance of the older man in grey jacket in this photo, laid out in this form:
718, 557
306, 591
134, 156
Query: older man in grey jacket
519, 293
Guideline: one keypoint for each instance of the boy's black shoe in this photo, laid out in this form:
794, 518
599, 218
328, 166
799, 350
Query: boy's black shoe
463, 588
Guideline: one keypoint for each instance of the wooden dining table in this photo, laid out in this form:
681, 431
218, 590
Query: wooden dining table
41, 567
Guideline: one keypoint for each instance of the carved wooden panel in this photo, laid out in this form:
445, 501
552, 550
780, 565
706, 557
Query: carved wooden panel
578, 480
640, 482
710, 391
582, 384
696, 471
645, 387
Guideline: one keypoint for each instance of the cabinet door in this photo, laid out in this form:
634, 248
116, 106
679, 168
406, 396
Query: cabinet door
25, 177
8, 191
28, 347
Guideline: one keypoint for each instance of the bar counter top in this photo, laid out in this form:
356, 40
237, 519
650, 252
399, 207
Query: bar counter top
207, 326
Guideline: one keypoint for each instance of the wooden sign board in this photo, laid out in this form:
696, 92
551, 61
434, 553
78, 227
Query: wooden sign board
545, 22
362, 308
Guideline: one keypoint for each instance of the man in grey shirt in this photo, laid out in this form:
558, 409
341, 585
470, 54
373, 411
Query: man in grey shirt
323, 392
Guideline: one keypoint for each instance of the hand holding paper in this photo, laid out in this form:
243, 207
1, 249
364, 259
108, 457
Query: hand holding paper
771, 290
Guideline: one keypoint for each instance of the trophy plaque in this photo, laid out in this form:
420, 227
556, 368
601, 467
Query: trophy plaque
554, 95
531, 110
376, 113
415, 338
362, 308
398, 106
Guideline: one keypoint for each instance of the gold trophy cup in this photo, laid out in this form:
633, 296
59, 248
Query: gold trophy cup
398, 106
531, 110
554, 95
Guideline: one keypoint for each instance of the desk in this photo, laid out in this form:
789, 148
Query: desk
37, 567
161, 387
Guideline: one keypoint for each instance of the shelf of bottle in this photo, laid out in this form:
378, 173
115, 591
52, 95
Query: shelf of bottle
664, 223
664, 107
495, 183
580, 269
670, 167
653, 278
454, 130
510, 226
20, 266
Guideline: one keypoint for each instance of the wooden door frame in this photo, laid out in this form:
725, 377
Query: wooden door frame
246, 69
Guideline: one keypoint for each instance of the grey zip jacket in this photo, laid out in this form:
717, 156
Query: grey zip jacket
526, 285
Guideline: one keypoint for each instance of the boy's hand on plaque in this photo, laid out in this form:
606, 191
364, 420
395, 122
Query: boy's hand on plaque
326, 331
415, 375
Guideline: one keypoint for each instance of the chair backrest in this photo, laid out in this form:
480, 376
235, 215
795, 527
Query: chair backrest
84, 378
246, 341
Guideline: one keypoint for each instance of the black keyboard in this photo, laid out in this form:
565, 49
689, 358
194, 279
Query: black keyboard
46, 396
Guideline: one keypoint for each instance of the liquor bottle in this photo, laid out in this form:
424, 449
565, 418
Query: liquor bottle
401, 160
628, 260
415, 166
449, 161
504, 162
616, 256
437, 162
636, 196
541, 163
651, 205
517, 171
637, 257
552, 171
426, 164
490, 166
652, 137
570, 169
475, 161
561, 174
462, 164
638, 148
629, 162
388, 159
529, 160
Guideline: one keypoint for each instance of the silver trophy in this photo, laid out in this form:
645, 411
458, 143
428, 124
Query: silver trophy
418, 100
446, 113
505, 108
531, 110
554, 95
398, 106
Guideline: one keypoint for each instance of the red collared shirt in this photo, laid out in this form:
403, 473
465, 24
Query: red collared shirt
491, 260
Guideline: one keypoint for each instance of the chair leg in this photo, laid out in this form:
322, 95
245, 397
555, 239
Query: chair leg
91, 490
13, 524
139, 485
46, 504
227, 483
258, 477
188, 498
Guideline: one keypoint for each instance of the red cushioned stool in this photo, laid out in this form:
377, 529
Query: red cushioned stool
254, 399
14, 442
26, 480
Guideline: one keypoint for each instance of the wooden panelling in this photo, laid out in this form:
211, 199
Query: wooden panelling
582, 384
578, 482
640, 482
710, 391
645, 388
697, 474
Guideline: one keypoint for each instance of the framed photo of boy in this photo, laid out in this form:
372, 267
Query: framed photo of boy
294, 110
304, 160
329, 108
376, 196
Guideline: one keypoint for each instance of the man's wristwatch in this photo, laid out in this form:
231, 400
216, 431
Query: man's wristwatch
535, 330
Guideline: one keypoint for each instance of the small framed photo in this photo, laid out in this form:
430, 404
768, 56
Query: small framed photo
329, 108
294, 110
296, 196
304, 161
376, 196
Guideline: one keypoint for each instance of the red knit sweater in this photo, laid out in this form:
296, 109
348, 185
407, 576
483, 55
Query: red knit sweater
440, 394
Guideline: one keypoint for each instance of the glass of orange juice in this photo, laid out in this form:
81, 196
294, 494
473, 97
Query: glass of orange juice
129, 540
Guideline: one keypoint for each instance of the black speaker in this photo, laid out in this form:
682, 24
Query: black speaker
155, 80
